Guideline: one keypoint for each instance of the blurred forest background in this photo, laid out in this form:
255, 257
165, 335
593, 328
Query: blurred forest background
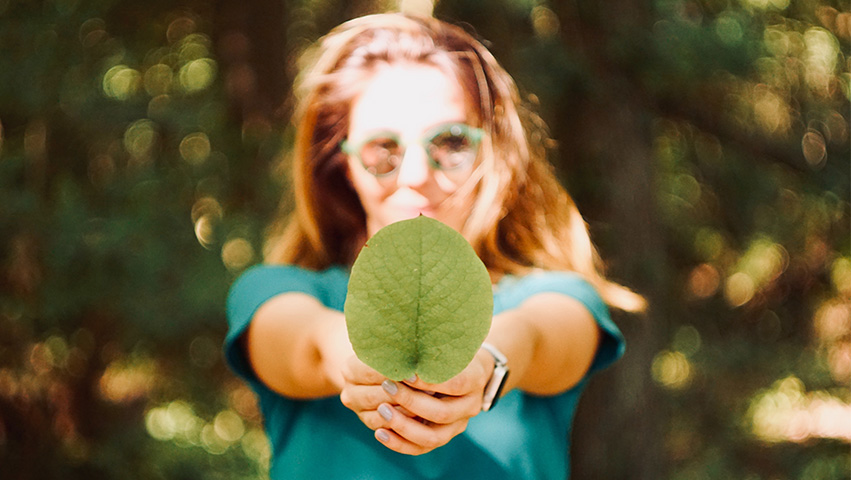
706, 142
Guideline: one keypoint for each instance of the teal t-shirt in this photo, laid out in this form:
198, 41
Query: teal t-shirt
525, 437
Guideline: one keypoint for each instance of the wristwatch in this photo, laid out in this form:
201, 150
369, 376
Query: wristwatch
498, 377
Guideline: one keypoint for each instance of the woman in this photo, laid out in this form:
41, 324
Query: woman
401, 116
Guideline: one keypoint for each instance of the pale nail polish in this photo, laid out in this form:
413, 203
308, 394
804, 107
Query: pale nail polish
385, 412
390, 387
382, 434
412, 379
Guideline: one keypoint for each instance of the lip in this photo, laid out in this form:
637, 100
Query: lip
411, 211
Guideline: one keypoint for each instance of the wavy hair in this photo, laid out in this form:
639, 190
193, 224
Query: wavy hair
522, 218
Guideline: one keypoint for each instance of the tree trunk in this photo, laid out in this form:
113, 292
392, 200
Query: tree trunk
619, 430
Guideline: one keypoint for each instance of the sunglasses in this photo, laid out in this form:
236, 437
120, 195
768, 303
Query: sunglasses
448, 147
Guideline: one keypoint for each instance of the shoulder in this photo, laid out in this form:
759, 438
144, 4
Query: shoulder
262, 282
267, 272
514, 290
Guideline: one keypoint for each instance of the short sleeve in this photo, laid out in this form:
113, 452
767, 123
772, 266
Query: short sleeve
612, 344
253, 288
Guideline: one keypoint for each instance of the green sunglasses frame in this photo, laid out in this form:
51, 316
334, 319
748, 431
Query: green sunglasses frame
474, 134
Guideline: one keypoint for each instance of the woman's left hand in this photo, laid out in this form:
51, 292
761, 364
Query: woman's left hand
415, 417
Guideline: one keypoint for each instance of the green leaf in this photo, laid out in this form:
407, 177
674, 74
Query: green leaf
419, 301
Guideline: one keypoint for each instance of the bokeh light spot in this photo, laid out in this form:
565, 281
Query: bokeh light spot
211, 442
786, 412
187, 425
229, 426
814, 148
195, 148
709, 243
159, 424
545, 22
158, 107
769, 4
687, 340
206, 206
197, 75
763, 261
237, 253
771, 111
729, 30
158, 79
704, 281
180, 28
255, 444
206, 214
672, 370
840, 274
832, 321
839, 361
739, 289
242, 400
128, 380
41, 358
205, 231
121, 82
92, 32
140, 138
193, 47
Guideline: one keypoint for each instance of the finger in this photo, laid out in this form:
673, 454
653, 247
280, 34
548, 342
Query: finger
398, 444
358, 373
412, 437
439, 410
363, 397
372, 419
381, 416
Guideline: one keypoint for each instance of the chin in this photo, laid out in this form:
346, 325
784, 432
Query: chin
406, 214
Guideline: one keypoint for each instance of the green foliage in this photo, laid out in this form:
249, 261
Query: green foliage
705, 141
419, 301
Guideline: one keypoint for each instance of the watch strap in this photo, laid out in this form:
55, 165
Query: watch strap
498, 377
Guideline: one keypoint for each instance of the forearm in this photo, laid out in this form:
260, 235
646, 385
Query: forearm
550, 341
296, 346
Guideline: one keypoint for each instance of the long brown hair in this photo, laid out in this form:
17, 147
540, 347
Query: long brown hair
522, 218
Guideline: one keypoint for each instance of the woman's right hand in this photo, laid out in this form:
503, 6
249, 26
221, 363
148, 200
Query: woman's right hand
413, 417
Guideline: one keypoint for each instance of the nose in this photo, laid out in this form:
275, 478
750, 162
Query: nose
414, 170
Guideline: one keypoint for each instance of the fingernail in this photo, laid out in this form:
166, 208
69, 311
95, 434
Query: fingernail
382, 434
385, 412
412, 379
390, 387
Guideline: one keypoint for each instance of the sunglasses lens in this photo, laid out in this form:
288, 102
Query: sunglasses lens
452, 148
381, 155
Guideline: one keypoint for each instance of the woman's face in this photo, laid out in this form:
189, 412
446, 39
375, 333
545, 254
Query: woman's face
400, 109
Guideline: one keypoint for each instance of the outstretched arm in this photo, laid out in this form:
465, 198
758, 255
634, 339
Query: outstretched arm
550, 341
297, 346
